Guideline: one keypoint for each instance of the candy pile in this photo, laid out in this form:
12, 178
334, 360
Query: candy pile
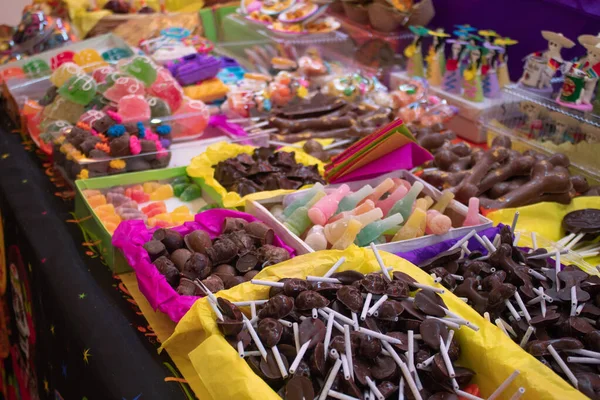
550, 309
195, 264
349, 336
389, 212
500, 177
265, 169
128, 202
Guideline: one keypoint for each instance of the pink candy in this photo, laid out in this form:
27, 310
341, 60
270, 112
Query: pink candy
90, 116
61, 58
133, 108
135, 146
473, 213
101, 73
191, 119
324, 208
169, 91
437, 223
124, 86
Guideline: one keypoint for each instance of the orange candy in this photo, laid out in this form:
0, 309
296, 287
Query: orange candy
96, 200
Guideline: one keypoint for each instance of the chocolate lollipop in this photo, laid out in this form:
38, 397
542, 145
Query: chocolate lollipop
582, 225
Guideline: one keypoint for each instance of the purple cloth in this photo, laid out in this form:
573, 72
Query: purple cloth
523, 21
131, 235
419, 255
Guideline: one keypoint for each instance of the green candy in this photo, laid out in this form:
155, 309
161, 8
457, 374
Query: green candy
181, 179
116, 54
79, 89
179, 188
192, 192
141, 68
37, 68
210, 207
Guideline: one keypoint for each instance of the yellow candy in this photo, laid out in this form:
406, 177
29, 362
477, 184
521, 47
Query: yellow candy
181, 210
97, 200
150, 187
111, 227
179, 219
105, 210
164, 217
163, 192
87, 193
65, 72
89, 59
111, 219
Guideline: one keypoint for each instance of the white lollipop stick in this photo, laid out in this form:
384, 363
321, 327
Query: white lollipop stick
563, 366
267, 283
583, 360
446, 358
339, 316
463, 240
248, 303
504, 385
261, 348
363, 314
587, 353
374, 388
380, 336
348, 349
384, 270
335, 267
522, 306
526, 336
512, 310
330, 379
240, 348
514, 222
377, 304
296, 330
299, 356
279, 362
328, 334
405, 371
340, 396
520, 392
345, 367
311, 278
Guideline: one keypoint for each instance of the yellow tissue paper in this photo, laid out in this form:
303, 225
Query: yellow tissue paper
201, 169
488, 352
545, 219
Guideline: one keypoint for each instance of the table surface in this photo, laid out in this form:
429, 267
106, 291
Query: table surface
93, 341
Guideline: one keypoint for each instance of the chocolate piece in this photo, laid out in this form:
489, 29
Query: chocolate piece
234, 224
299, 388
271, 255
197, 241
222, 251
170, 238
351, 298
313, 330
198, 266
247, 261
260, 232
308, 300
582, 221
430, 303
101, 125
180, 257
277, 307
214, 283
348, 277
186, 287
293, 287
155, 249
270, 331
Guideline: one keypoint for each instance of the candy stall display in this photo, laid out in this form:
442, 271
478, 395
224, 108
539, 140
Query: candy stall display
217, 250
397, 212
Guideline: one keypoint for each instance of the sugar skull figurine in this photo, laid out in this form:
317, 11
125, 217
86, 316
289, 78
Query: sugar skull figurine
581, 80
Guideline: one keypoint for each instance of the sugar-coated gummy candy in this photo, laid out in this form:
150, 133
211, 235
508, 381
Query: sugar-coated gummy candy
163, 192
133, 108
89, 59
36, 68
115, 219
180, 218
61, 58
110, 227
115, 54
158, 108
90, 116
181, 179
157, 223
97, 200
117, 189
181, 210
104, 210
101, 74
166, 88
137, 195
122, 87
65, 72
79, 89
116, 198
178, 188
192, 192
151, 186
64, 109
157, 205
192, 120
141, 68
90, 192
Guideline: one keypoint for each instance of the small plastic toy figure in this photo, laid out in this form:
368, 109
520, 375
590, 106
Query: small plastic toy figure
489, 77
532, 126
502, 67
563, 127
472, 87
414, 52
436, 58
452, 82
581, 80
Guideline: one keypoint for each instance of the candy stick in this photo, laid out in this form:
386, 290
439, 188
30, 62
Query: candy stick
496, 241
330, 378
267, 283
457, 277
405, 371
328, 333
512, 310
490, 245
541, 293
355, 319
401, 389
436, 279
482, 242
380, 336
253, 310
425, 364
384, 270
296, 330
535, 300
334, 354
445, 321
557, 269
261, 348
465, 249
583, 360
527, 335
411, 352
340, 396
504, 385
520, 392
563, 366
418, 381
348, 348
446, 357
534, 240
461, 321
336, 325
463, 240
213, 305
500, 325
449, 339
546, 255
587, 353
248, 303
377, 304
455, 384
522, 306
427, 287
345, 367
587, 254
252, 354
445, 199
279, 361
514, 222
466, 300
339, 316
486, 315
517, 237
543, 306
575, 240
466, 395
337, 144
299, 356
374, 388
573, 296
240, 348
536, 275
363, 314
593, 246
337, 264
579, 309
311, 278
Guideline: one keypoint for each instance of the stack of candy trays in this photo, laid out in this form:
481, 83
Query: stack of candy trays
397, 212
161, 199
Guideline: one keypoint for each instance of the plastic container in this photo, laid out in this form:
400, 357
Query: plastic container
456, 211
542, 124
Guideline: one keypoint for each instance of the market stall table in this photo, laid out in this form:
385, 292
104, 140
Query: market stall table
76, 330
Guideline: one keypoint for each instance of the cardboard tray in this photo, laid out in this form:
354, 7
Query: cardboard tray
456, 211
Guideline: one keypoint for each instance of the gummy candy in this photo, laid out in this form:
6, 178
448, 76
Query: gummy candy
181, 210
156, 206
89, 59
158, 107
36, 68
180, 179
150, 187
116, 54
10, 73
116, 199
97, 200
64, 109
179, 188
132, 214
155, 223
100, 74
163, 192
90, 116
133, 108
112, 219
141, 68
122, 87
117, 189
104, 210
65, 72
194, 118
192, 192
110, 227
180, 218
61, 58
90, 192
166, 88
79, 89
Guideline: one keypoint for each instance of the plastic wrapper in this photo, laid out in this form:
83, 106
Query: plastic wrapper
130, 237
202, 169
224, 375
416, 106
